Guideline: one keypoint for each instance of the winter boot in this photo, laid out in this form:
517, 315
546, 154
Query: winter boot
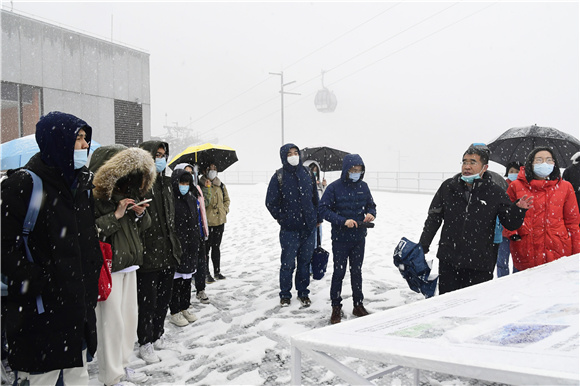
336, 314
359, 310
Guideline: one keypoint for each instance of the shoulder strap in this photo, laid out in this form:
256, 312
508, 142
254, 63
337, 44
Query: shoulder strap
279, 174
30, 221
223, 191
34, 204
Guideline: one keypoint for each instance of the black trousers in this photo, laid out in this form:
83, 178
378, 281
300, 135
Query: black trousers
153, 296
201, 266
452, 278
180, 296
213, 247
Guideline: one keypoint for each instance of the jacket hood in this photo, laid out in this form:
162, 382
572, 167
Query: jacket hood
194, 168
348, 162
309, 162
576, 158
175, 176
103, 154
284, 156
56, 134
152, 146
120, 163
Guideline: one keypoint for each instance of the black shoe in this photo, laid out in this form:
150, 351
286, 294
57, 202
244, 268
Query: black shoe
336, 314
209, 279
359, 310
219, 276
305, 301
284, 302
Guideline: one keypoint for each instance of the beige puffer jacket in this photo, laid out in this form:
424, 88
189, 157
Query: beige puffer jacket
219, 204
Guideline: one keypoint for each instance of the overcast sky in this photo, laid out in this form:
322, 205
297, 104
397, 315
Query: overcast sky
416, 82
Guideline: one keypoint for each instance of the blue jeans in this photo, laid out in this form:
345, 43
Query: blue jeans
297, 249
353, 253
503, 258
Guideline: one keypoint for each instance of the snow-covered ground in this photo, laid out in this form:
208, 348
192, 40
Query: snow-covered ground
243, 336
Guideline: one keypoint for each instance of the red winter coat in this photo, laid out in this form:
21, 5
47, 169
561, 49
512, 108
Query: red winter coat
550, 229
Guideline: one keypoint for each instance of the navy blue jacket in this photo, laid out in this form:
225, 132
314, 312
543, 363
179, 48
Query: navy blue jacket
294, 202
186, 223
344, 199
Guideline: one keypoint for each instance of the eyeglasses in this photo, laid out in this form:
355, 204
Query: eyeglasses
542, 160
160, 155
470, 163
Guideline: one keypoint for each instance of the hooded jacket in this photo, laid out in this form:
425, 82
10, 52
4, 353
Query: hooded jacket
186, 223
344, 199
294, 201
469, 222
162, 248
111, 164
572, 175
550, 229
204, 197
65, 250
317, 178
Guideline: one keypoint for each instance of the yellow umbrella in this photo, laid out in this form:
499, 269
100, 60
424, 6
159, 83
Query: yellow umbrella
204, 155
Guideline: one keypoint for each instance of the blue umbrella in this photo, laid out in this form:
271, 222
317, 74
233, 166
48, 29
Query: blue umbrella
16, 153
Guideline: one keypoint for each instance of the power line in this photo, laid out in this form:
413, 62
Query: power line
373, 63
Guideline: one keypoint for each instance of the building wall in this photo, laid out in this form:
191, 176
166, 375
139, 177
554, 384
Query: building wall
78, 74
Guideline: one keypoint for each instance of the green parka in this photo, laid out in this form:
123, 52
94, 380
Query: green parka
162, 247
110, 164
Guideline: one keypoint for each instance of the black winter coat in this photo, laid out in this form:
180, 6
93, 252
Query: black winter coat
469, 223
65, 272
186, 223
572, 175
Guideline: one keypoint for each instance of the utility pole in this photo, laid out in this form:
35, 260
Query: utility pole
282, 92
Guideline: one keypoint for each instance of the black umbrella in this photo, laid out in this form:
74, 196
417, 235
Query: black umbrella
328, 158
516, 143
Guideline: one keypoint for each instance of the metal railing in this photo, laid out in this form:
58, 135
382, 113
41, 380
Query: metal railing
407, 182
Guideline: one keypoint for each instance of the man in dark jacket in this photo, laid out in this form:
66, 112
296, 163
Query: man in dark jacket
162, 251
468, 205
572, 175
348, 205
292, 200
66, 257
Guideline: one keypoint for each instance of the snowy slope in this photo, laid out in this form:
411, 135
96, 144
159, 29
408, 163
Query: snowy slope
243, 336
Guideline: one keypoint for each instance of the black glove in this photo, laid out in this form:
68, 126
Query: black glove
515, 238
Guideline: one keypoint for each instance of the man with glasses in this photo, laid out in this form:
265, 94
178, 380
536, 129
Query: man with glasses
348, 205
161, 254
467, 204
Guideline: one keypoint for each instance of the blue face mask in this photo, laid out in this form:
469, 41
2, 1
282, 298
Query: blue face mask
470, 179
354, 177
513, 176
80, 158
183, 189
543, 170
160, 164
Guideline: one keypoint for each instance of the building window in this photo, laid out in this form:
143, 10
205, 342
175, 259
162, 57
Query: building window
21, 108
128, 123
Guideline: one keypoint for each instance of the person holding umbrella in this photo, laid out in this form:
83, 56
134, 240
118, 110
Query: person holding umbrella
216, 211
550, 229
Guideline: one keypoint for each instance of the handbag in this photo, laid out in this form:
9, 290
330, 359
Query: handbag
105, 279
319, 260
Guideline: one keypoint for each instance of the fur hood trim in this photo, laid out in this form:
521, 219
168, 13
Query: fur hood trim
120, 165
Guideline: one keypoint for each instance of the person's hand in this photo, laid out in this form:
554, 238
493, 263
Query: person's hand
324, 182
139, 209
369, 217
207, 183
122, 207
319, 224
351, 223
525, 202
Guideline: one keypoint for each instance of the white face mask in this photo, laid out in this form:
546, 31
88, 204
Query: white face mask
294, 160
212, 174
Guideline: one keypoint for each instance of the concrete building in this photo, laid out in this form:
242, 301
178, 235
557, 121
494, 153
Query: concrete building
47, 68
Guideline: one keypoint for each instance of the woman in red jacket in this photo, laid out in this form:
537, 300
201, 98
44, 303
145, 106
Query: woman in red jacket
550, 229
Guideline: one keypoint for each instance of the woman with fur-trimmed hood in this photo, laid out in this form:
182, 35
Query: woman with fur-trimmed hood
122, 177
